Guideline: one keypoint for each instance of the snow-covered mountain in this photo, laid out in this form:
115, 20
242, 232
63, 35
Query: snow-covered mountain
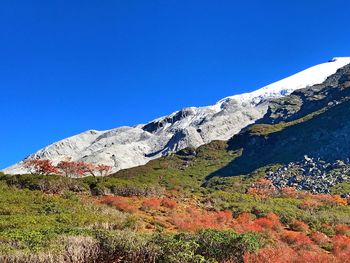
127, 147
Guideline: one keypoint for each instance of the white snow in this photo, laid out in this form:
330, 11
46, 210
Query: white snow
127, 147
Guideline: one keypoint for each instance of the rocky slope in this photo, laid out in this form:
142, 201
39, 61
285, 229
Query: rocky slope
305, 132
127, 147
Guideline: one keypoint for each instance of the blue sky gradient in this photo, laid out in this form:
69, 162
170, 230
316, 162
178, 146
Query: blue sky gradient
70, 66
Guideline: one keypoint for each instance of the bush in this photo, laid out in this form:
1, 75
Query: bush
126, 246
296, 239
121, 203
299, 226
342, 229
166, 202
207, 245
151, 203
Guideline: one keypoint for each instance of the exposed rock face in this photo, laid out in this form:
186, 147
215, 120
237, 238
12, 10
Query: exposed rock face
127, 147
314, 175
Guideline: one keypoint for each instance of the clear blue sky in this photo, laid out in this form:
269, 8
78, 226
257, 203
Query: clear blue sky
70, 66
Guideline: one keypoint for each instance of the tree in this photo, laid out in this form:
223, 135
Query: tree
68, 168
104, 170
80, 169
41, 167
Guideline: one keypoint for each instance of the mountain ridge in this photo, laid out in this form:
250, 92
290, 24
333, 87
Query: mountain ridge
126, 147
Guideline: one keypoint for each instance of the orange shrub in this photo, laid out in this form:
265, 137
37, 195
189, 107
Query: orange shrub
319, 238
341, 247
330, 199
314, 256
285, 254
194, 219
270, 223
245, 218
278, 254
342, 229
121, 203
289, 192
223, 216
297, 239
151, 203
299, 226
166, 202
309, 204
263, 188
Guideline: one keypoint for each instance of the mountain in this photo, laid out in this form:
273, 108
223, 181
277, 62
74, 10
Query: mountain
127, 147
305, 133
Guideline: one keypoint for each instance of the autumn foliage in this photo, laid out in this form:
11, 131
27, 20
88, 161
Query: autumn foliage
37, 166
67, 168
262, 188
169, 203
194, 219
121, 203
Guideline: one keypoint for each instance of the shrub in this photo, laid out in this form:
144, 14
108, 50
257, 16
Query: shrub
309, 204
166, 202
342, 229
151, 203
289, 192
195, 219
320, 238
299, 226
263, 188
126, 246
271, 255
119, 202
297, 239
207, 245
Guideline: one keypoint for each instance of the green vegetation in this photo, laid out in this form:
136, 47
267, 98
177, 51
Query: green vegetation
38, 227
287, 208
342, 188
266, 129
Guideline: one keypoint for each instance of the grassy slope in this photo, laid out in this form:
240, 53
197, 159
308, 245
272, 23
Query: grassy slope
177, 172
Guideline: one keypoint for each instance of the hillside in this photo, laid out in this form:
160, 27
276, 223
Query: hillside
277, 191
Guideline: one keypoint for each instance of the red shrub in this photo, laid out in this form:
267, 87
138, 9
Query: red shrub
270, 223
151, 203
195, 219
121, 203
289, 192
245, 218
299, 226
297, 239
319, 238
313, 256
309, 204
279, 254
342, 229
285, 254
166, 202
263, 188
341, 245
223, 217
